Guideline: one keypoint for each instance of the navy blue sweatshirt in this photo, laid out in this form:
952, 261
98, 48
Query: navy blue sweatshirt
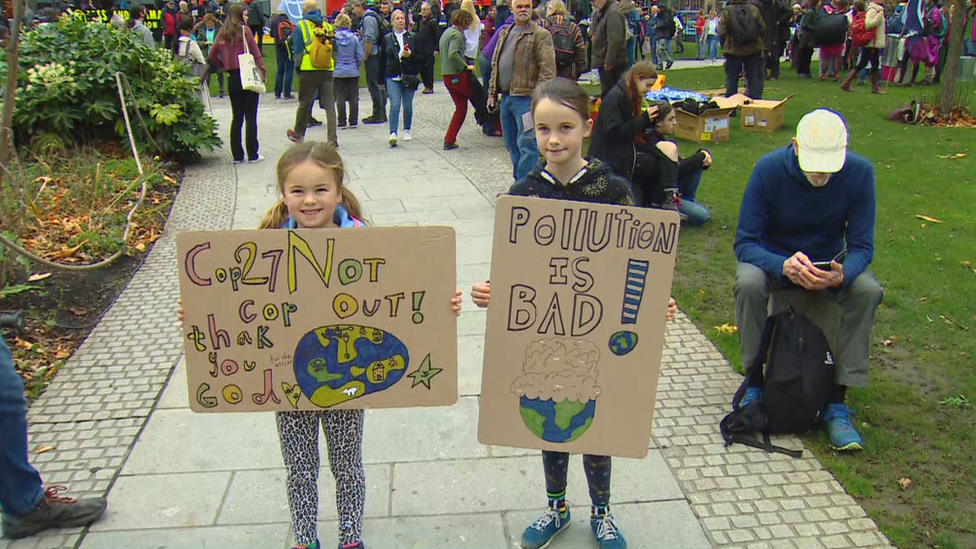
782, 213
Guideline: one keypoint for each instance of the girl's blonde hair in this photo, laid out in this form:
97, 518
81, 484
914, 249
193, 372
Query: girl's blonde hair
556, 7
468, 6
342, 21
323, 155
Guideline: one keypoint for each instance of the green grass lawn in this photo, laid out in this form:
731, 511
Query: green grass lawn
912, 425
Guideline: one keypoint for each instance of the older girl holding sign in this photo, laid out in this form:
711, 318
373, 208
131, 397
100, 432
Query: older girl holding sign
560, 111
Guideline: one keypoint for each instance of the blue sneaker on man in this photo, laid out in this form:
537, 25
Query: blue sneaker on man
539, 534
843, 436
607, 534
752, 394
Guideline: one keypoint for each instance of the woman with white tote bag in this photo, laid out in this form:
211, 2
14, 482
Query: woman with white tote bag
234, 49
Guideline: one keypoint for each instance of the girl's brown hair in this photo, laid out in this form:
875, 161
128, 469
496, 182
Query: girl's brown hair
664, 108
323, 155
565, 92
461, 19
640, 71
230, 32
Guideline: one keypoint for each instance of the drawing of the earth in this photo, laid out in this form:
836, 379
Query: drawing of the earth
335, 364
564, 421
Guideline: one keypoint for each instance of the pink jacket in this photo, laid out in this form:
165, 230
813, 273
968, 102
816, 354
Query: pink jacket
224, 55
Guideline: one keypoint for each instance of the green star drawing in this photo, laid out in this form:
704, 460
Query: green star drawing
424, 374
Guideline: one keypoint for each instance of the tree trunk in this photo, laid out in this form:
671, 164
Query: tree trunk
10, 88
950, 76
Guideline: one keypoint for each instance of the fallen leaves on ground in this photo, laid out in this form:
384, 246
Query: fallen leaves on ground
927, 218
905, 483
952, 156
726, 329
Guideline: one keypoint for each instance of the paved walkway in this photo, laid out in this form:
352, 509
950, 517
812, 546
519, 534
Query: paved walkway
117, 414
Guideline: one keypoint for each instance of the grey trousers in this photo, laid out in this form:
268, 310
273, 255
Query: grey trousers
851, 343
312, 84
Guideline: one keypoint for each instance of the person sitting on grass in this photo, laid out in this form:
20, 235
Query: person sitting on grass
804, 203
685, 174
618, 137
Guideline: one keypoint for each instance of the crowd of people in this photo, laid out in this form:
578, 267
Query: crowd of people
517, 64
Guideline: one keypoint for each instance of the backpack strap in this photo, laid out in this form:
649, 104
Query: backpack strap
766, 445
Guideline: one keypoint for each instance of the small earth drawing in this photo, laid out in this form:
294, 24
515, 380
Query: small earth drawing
560, 422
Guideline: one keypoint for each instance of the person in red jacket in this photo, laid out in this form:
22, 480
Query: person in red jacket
169, 24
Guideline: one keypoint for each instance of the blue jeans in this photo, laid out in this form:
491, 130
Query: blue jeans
712, 42
700, 48
20, 484
688, 187
399, 95
286, 71
519, 141
663, 51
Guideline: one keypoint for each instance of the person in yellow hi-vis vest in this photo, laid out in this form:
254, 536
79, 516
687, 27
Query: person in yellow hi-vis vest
315, 64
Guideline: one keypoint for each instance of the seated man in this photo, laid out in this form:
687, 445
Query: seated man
802, 205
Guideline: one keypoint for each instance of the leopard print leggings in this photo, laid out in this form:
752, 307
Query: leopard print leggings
299, 436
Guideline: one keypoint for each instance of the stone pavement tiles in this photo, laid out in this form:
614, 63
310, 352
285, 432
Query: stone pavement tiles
177, 479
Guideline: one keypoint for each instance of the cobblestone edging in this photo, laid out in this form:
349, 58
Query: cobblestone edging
743, 497
98, 403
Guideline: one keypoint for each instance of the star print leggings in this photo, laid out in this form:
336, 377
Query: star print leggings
597, 469
298, 433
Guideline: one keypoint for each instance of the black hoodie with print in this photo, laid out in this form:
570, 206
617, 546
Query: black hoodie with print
594, 183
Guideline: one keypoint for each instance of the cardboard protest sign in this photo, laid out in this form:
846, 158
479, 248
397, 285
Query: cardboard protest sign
579, 296
314, 319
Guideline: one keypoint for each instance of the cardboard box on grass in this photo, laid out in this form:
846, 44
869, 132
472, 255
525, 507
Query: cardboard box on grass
289, 320
576, 325
711, 126
756, 115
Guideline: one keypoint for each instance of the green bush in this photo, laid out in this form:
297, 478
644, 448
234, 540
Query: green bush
66, 88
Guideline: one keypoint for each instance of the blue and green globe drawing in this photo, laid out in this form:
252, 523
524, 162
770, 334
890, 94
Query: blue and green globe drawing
558, 388
564, 421
335, 364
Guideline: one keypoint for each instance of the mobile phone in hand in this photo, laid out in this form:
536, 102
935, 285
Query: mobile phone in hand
825, 265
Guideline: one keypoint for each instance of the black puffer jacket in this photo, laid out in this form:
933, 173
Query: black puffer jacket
613, 135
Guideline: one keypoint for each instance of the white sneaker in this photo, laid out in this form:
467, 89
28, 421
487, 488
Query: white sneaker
256, 160
393, 139
406, 135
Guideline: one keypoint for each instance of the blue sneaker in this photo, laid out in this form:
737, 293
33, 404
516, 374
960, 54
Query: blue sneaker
607, 534
540, 533
843, 436
752, 394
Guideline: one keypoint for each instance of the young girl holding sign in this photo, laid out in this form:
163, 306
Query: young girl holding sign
560, 111
310, 180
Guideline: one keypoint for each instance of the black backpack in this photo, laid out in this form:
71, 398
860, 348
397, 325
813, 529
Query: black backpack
831, 29
564, 44
797, 382
742, 25
382, 25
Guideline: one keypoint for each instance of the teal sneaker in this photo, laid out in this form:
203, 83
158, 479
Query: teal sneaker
843, 436
539, 534
752, 394
607, 534
314, 545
